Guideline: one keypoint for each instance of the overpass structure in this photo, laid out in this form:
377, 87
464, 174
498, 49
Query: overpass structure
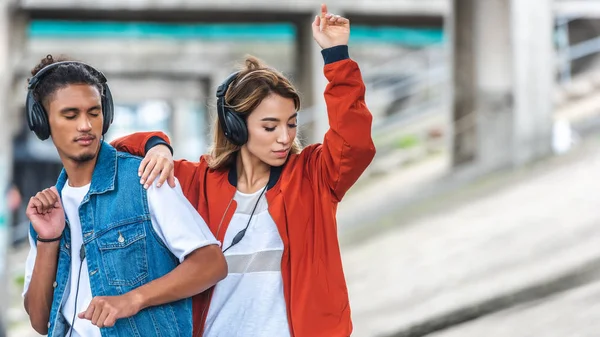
497, 84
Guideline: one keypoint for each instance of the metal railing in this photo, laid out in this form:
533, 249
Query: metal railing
568, 53
416, 83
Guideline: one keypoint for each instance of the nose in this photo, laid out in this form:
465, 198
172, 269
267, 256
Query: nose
85, 124
284, 137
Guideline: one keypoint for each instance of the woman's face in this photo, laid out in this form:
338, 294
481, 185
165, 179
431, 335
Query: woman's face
272, 129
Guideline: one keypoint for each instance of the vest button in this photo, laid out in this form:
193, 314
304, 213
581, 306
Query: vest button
48, 325
54, 285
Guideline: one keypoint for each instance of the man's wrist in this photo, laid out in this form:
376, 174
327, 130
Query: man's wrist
49, 239
136, 298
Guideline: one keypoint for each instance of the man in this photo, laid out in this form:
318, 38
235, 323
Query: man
124, 261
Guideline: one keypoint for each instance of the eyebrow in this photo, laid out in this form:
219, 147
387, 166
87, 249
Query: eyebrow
273, 119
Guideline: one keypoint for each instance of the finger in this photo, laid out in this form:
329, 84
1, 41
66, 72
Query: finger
52, 198
142, 166
37, 204
164, 175
34, 205
97, 313
110, 320
155, 173
44, 200
89, 312
147, 170
316, 26
58, 203
54, 191
323, 9
171, 179
102, 318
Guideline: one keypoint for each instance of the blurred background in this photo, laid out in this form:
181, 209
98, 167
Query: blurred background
479, 214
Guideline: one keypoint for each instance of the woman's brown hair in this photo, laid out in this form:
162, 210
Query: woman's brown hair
254, 83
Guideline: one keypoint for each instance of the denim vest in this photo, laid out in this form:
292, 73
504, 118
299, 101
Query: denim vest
122, 250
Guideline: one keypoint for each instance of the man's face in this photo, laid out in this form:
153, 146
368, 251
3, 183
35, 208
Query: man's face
75, 117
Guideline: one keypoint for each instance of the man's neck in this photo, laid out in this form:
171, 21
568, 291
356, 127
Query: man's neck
79, 173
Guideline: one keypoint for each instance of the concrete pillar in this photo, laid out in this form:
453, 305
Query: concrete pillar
311, 82
503, 81
460, 29
533, 72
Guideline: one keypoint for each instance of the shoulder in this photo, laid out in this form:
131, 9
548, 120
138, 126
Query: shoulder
128, 165
305, 155
165, 195
124, 156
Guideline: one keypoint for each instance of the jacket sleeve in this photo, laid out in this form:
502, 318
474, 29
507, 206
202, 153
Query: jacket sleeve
347, 148
186, 172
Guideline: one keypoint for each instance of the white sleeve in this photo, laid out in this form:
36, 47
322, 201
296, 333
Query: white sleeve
176, 221
29, 263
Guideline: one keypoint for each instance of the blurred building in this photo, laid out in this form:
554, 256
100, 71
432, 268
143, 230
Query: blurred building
164, 61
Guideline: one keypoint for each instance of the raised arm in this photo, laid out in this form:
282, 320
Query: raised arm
347, 148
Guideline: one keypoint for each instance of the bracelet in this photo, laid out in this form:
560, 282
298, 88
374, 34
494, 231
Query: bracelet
49, 240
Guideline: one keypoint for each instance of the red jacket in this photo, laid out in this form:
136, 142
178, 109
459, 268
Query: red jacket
302, 200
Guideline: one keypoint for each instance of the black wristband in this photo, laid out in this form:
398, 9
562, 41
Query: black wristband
154, 141
49, 240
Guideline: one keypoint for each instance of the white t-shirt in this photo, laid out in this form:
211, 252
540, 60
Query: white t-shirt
249, 302
174, 219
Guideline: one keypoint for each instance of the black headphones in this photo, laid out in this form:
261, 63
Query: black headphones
232, 123
36, 115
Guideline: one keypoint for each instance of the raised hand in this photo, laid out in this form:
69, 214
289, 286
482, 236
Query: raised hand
46, 214
330, 30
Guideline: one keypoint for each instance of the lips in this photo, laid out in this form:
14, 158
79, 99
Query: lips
281, 153
85, 140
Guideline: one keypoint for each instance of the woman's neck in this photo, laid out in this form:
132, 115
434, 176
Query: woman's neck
253, 174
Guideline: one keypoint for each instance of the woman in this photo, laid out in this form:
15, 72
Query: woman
270, 204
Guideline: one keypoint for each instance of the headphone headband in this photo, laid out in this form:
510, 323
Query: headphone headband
222, 89
36, 79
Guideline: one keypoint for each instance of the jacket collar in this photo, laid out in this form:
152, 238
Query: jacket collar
105, 172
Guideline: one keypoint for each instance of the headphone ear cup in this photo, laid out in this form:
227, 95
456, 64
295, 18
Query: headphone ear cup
236, 127
36, 118
108, 109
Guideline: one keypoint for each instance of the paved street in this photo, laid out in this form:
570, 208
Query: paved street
530, 231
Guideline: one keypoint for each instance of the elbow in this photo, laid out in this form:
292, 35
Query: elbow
214, 263
221, 269
39, 324
37, 319
366, 151
371, 151
42, 329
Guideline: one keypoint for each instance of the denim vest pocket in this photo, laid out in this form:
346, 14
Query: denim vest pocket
123, 251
